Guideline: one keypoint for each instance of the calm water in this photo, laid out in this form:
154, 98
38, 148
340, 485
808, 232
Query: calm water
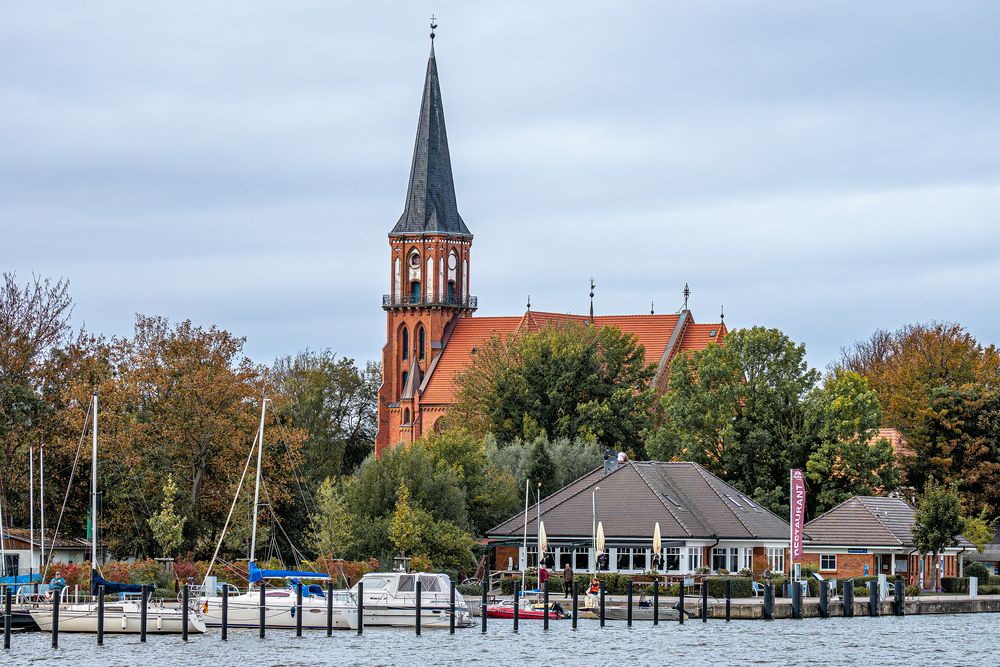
971, 639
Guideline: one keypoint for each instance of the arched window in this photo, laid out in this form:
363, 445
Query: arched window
415, 291
405, 376
451, 292
420, 343
397, 280
406, 343
406, 416
429, 277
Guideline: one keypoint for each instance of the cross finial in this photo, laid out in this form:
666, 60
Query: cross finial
651, 311
434, 26
687, 294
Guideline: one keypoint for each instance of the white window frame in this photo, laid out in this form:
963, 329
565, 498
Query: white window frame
776, 559
828, 569
694, 558
674, 551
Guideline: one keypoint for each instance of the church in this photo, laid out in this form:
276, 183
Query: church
431, 331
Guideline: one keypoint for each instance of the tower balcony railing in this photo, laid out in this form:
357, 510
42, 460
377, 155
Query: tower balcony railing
439, 300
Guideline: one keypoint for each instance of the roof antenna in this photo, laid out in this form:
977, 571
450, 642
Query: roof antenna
592, 300
687, 293
722, 315
434, 26
529, 303
651, 311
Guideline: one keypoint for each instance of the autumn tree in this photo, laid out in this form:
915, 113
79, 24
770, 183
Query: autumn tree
329, 525
167, 527
565, 381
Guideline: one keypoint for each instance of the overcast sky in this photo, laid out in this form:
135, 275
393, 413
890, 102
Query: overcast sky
824, 168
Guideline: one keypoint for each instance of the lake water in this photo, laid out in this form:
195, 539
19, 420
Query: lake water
969, 639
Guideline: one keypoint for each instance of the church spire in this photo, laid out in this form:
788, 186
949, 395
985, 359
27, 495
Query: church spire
431, 206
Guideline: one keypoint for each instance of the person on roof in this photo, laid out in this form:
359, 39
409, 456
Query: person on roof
622, 458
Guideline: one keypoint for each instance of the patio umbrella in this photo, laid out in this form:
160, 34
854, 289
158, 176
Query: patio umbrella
543, 540
600, 537
657, 547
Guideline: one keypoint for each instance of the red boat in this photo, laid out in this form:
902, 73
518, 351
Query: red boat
507, 611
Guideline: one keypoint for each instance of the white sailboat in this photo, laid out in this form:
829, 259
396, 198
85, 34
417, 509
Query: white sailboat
121, 616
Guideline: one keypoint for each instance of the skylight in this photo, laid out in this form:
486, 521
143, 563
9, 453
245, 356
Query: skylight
748, 502
674, 502
734, 501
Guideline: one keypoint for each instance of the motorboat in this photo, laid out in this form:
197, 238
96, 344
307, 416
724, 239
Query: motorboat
530, 606
390, 599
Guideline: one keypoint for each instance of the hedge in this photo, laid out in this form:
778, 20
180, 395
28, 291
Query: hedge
740, 588
954, 584
614, 584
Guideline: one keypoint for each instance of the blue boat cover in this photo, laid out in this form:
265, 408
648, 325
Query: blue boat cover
114, 587
21, 579
255, 574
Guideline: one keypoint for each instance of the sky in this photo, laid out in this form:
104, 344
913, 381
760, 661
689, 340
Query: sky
826, 168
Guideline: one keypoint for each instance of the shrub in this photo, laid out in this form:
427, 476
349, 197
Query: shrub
989, 589
954, 584
912, 590
977, 569
740, 587
470, 590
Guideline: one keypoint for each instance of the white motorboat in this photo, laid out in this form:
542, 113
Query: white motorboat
280, 608
120, 617
390, 599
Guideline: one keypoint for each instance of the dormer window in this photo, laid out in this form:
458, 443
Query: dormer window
712, 333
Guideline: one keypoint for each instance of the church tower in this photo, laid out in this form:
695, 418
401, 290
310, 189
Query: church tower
428, 274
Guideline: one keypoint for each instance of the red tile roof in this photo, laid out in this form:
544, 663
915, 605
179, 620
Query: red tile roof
652, 332
698, 336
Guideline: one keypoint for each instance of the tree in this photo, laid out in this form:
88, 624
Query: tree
938, 521
845, 415
570, 459
563, 381
408, 524
979, 530
738, 409
329, 525
167, 527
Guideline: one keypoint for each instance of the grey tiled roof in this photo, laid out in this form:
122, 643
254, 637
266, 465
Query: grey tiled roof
866, 521
686, 500
431, 207
991, 553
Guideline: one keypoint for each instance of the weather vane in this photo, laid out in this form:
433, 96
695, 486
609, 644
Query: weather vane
687, 293
434, 26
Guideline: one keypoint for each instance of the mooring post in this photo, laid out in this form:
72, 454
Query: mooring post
768, 601
796, 600
680, 603
100, 614
55, 618
185, 612
419, 611
517, 602
576, 608
361, 609
451, 610
7, 619
873, 598
144, 614
729, 599
602, 602
545, 605
298, 609
628, 600
656, 601
704, 600
225, 613
263, 607
824, 599
848, 598
900, 606
482, 603
329, 608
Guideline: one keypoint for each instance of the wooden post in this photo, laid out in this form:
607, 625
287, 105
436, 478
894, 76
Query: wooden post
144, 614
602, 603
7, 618
100, 614
873, 598
55, 618
768, 601
680, 603
824, 599
451, 610
517, 602
482, 604
848, 598
899, 608
656, 601
576, 608
729, 599
225, 613
185, 611
361, 608
704, 600
545, 605
628, 598
298, 609
418, 606
262, 607
796, 600
329, 608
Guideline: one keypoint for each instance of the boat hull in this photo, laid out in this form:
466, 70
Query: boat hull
406, 617
80, 618
245, 613
503, 611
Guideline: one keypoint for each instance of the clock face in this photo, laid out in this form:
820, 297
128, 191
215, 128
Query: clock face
415, 260
452, 261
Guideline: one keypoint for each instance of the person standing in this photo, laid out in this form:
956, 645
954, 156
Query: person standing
567, 580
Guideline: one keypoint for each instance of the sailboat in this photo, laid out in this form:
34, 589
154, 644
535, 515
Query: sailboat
120, 616
280, 602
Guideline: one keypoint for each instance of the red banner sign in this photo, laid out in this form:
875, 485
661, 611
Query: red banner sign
798, 512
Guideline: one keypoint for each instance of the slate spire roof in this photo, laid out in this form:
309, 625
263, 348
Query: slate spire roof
431, 207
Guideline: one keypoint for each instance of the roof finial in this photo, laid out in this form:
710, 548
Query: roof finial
722, 314
651, 311
592, 300
529, 303
434, 26
687, 294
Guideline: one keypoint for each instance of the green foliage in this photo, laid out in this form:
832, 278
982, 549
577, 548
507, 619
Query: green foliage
979, 530
570, 460
938, 520
741, 587
167, 527
954, 584
329, 526
978, 570
564, 381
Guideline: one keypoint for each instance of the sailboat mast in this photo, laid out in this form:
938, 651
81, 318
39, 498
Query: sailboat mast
538, 524
256, 488
524, 569
31, 508
41, 503
93, 491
